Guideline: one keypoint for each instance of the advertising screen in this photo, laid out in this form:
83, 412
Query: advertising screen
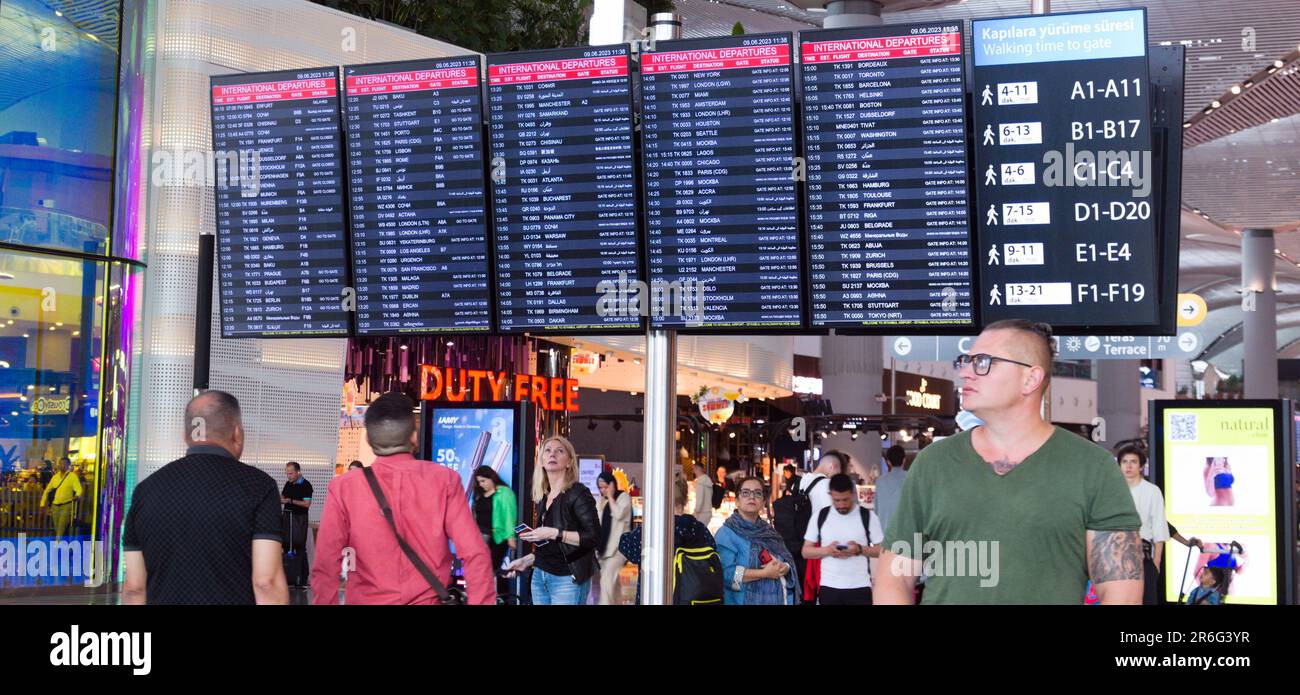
463, 439
1218, 468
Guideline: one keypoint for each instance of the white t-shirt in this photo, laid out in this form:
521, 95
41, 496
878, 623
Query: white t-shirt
821, 496
847, 573
1151, 509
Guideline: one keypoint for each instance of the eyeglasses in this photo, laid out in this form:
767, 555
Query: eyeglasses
982, 363
756, 494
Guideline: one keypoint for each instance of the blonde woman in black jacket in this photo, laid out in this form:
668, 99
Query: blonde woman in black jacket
564, 537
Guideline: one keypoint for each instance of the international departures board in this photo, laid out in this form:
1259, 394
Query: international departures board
1063, 168
889, 234
718, 142
281, 243
418, 199
563, 187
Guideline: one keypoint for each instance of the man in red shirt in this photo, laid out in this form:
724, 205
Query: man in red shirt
429, 507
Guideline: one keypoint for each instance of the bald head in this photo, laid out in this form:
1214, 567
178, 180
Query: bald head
213, 417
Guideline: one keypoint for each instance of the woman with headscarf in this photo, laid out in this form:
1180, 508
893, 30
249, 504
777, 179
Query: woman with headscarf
615, 510
757, 567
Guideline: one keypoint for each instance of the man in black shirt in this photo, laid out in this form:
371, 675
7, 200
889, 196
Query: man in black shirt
205, 528
296, 497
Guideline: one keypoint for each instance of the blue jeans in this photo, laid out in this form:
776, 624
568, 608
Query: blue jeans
555, 590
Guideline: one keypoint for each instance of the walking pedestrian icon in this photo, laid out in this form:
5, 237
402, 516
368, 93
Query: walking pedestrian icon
993, 216
988, 96
993, 255
995, 297
990, 177
988, 135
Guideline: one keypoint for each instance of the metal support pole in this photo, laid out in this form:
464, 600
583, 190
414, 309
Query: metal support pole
203, 314
660, 464
1040, 6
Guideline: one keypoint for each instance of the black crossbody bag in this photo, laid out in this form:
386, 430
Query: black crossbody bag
443, 595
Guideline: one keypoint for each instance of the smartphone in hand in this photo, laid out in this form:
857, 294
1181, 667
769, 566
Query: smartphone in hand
524, 528
764, 557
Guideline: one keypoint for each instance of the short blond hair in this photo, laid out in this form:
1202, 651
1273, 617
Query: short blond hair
541, 483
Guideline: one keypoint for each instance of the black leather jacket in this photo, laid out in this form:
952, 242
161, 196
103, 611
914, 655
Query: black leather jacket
575, 510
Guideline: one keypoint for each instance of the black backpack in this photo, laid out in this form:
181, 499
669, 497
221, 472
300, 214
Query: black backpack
697, 577
803, 505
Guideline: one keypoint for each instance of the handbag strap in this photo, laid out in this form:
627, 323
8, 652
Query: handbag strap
411, 555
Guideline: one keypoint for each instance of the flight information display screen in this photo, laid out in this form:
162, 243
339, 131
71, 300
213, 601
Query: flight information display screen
417, 195
564, 190
1064, 170
722, 218
888, 226
281, 239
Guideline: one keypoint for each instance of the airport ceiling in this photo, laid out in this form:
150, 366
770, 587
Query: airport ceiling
1241, 159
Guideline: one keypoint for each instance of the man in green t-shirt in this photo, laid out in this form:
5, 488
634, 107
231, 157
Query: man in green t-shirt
1015, 510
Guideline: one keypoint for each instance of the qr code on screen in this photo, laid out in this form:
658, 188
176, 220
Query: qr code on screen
1182, 427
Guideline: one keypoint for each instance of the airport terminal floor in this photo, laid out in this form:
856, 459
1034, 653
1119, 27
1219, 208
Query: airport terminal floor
653, 302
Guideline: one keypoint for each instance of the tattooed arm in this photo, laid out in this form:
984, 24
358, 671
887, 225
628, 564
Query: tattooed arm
1115, 566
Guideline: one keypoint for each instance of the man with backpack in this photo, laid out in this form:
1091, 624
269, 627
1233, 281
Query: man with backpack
843, 536
810, 496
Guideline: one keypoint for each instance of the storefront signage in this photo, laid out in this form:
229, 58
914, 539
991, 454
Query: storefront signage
584, 362
58, 405
482, 385
717, 405
924, 395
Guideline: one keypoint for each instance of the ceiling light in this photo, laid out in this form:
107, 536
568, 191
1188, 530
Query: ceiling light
1248, 84
403, 347
26, 335
1278, 63
883, 436
1187, 125
732, 435
1236, 89
854, 436
636, 360
5, 365
450, 343
634, 393
1215, 104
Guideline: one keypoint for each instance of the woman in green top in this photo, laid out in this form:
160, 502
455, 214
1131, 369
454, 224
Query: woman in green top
496, 511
